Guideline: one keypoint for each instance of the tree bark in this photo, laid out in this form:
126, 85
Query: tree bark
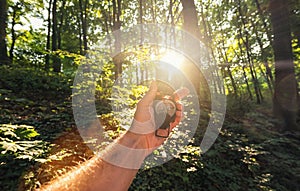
117, 59
83, 18
48, 43
61, 21
190, 25
56, 61
13, 32
3, 19
285, 95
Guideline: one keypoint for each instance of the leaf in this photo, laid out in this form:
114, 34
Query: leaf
9, 146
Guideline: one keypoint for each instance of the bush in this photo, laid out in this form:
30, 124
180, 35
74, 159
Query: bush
238, 106
29, 82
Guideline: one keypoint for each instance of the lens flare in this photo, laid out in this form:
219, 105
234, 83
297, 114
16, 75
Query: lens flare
173, 58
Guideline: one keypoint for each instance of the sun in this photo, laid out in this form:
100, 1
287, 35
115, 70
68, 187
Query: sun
173, 58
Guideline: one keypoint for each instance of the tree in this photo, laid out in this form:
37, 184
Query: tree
84, 26
3, 19
116, 26
285, 95
190, 25
48, 43
56, 61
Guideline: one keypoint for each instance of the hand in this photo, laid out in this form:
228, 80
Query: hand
142, 131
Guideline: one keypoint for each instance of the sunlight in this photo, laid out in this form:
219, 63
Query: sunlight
173, 58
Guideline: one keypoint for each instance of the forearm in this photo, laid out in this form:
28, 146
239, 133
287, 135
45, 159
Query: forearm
117, 166
97, 174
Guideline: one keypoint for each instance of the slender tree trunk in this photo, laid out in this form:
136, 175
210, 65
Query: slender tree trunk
61, 20
267, 79
13, 33
240, 57
285, 96
116, 26
263, 20
54, 25
248, 54
48, 43
56, 60
263, 57
107, 22
153, 11
247, 83
83, 18
141, 20
80, 35
3, 19
225, 59
208, 42
137, 75
269, 73
259, 97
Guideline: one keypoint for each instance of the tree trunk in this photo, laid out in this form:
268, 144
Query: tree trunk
13, 33
245, 41
263, 56
190, 25
116, 26
285, 95
56, 61
83, 18
141, 20
80, 34
247, 83
153, 11
262, 18
61, 21
3, 19
208, 41
240, 57
47, 59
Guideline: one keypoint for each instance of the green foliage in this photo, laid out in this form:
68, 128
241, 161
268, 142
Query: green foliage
233, 163
33, 82
18, 140
238, 106
19, 148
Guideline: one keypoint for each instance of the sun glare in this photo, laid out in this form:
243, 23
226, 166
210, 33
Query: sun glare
173, 58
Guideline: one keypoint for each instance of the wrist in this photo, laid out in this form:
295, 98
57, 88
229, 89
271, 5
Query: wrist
126, 152
133, 140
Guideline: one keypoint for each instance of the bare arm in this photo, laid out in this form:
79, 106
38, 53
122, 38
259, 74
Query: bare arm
125, 156
96, 174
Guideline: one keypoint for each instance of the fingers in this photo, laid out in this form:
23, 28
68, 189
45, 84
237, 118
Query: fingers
178, 95
179, 106
181, 93
179, 117
150, 95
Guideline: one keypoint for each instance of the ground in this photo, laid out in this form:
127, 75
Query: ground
39, 142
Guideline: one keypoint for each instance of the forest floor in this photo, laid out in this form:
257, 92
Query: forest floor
39, 141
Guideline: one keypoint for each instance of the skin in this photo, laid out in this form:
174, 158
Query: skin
97, 174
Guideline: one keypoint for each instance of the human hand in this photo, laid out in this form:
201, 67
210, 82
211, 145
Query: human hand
142, 131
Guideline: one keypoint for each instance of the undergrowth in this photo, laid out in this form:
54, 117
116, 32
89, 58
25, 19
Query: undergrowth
39, 141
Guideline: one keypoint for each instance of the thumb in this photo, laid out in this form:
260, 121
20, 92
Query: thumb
150, 95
